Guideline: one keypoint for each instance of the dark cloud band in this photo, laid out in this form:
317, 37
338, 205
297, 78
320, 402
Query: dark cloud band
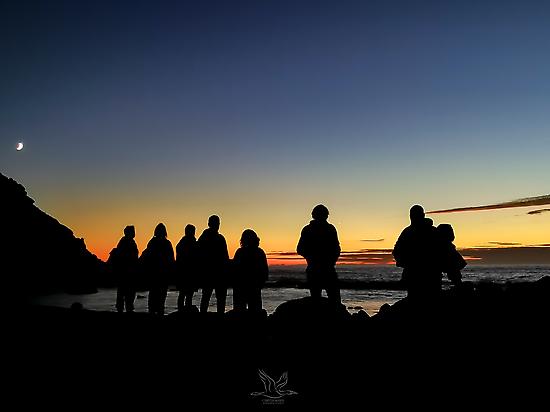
527, 201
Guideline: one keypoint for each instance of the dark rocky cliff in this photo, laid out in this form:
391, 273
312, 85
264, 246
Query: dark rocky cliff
39, 254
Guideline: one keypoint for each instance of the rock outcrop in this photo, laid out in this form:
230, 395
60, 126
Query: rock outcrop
39, 254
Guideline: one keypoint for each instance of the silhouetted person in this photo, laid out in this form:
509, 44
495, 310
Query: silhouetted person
158, 261
416, 251
186, 267
215, 260
320, 247
450, 259
251, 272
124, 261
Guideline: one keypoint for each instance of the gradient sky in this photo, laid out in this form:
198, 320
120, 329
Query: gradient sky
141, 112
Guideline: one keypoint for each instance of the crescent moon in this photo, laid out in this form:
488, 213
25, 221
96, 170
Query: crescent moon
19, 146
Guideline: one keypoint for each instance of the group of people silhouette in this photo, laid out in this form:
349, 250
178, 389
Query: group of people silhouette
204, 264
207, 255
422, 250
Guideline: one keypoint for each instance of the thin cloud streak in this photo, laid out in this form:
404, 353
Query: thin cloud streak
505, 243
498, 254
538, 211
372, 240
358, 257
527, 201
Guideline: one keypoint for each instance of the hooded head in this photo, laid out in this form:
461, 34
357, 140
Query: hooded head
160, 230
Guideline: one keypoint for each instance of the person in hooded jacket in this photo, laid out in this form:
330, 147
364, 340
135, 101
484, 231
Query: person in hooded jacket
158, 261
250, 273
186, 267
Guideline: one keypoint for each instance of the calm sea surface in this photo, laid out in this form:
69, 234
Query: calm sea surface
286, 283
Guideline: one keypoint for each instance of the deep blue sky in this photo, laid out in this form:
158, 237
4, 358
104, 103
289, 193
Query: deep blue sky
260, 109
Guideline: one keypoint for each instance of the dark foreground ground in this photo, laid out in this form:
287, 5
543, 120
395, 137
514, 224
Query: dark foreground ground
483, 344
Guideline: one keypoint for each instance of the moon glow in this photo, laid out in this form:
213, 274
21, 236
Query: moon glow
19, 146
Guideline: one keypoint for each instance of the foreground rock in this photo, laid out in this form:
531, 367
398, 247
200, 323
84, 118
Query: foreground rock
487, 336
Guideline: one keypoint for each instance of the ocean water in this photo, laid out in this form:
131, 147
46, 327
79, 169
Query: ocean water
364, 287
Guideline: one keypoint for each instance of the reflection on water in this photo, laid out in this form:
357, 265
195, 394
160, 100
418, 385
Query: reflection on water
356, 299
104, 300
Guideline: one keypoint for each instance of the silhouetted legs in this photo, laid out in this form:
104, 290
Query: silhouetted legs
125, 296
221, 295
185, 298
205, 299
326, 279
157, 300
120, 299
423, 286
333, 292
239, 299
251, 297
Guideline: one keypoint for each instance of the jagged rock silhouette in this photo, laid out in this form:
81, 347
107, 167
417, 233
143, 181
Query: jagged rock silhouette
39, 254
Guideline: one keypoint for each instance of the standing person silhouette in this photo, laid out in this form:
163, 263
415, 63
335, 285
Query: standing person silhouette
124, 260
215, 257
416, 251
320, 247
186, 267
158, 260
251, 272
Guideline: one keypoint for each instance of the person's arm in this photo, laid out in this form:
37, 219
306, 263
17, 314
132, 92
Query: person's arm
461, 262
264, 267
397, 252
336, 247
302, 246
237, 259
225, 251
172, 255
135, 251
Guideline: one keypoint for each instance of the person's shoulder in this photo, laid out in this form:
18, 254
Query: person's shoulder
409, 229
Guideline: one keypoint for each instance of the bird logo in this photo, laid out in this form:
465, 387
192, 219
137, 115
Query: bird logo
272, 389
